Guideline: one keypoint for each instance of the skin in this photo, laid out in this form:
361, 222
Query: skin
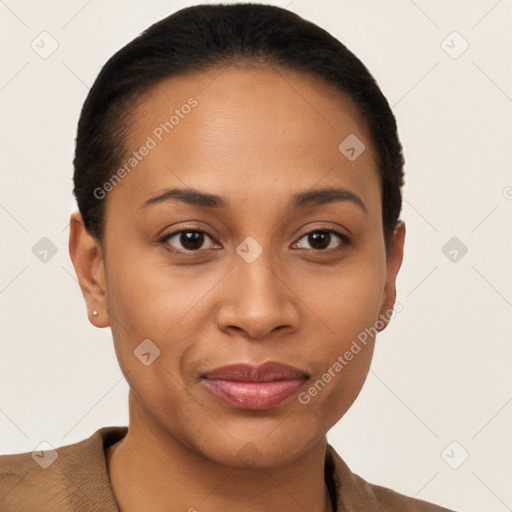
256, 137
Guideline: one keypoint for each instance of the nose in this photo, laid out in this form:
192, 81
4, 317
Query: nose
258, 300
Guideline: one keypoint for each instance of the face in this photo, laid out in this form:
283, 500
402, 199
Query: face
270, 270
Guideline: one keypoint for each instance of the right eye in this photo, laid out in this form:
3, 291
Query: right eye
186, 240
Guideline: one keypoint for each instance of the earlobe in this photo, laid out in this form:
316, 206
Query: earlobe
394, 262
87, 257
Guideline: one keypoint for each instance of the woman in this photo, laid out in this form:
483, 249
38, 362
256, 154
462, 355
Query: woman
238, 175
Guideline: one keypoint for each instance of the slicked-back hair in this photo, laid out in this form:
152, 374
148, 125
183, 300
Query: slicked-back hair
205, 37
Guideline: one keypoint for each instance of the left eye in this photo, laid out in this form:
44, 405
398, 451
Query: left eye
321, 239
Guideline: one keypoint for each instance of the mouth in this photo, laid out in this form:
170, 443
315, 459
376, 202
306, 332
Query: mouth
256, 387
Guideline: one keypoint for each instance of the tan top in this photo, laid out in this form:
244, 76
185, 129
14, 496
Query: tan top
77, 481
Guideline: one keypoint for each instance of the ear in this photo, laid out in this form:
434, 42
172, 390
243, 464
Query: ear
393, 264
87, 257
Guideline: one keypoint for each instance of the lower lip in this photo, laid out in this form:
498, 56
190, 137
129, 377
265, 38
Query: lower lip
254, 395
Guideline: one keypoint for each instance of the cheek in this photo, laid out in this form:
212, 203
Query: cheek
146, 295
149, 299
348, 304
149, 308
347, 300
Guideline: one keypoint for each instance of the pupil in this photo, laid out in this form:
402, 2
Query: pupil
320, 236
192, 240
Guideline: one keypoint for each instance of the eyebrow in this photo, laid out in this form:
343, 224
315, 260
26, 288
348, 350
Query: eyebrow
299, 200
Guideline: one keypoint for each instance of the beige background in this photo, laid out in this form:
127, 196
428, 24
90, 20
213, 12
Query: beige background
441, 371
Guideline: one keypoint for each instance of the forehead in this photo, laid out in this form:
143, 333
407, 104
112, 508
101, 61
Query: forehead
246, 130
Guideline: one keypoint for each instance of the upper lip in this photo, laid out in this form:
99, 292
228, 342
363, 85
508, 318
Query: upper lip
266, 372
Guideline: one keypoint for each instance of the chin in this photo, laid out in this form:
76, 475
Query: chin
265, 449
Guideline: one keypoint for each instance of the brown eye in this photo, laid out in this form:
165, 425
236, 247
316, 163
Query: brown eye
321, 239
186, 240
191, 240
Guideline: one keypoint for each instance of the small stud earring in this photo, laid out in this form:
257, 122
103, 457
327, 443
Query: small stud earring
94, 313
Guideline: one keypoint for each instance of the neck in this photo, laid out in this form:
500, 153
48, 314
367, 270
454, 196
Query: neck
150, 469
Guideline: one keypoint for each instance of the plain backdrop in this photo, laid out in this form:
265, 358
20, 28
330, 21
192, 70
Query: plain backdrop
440, 385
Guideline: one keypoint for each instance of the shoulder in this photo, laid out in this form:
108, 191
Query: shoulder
353, 493
71, 477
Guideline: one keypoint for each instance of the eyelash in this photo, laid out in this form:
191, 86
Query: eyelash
344, 238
